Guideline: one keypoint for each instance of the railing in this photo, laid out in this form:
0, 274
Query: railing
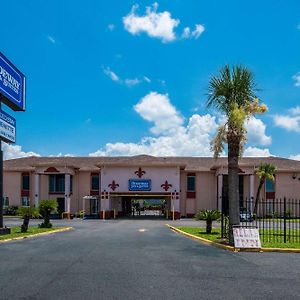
278, 220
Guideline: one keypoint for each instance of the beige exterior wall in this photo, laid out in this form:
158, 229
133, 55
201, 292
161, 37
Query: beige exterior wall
286, 186
12, 187
206, 191
206, 187
158, 176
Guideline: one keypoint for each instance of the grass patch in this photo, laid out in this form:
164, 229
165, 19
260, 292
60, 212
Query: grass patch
274, 241
16, 232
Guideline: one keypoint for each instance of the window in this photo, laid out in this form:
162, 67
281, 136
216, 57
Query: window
191, 183
270, 186
5, 202
25, 201
71, 183
94, 182
25, 182
57, 183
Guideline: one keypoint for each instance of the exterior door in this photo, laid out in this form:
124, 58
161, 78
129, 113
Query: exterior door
60, 205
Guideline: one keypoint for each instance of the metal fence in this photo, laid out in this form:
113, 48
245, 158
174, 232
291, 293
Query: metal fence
278, 220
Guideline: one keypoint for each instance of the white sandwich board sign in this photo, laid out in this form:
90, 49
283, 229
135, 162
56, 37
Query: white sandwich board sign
246, 237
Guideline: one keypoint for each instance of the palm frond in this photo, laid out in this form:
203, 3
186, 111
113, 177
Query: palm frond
217, 144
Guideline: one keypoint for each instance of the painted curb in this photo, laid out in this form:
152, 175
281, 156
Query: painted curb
230, 248
36, 234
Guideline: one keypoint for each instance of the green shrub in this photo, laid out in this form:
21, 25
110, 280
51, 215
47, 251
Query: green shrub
11, 210
209, 216
27, 213
46, 207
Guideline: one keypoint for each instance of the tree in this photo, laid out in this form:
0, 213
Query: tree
46, 207
233, 93
209, 216
265, 171
27, 213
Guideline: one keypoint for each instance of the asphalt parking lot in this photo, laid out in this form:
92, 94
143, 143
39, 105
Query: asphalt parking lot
138, 259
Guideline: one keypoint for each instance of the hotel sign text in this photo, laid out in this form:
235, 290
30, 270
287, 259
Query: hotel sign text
139, 185
12, 85
7, 127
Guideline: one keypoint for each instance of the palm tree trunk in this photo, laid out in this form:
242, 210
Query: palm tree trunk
208, 226
233, 183
24, 226
261, 182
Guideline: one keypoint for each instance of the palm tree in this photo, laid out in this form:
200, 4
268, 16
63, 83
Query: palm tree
265, 171
46, 207
233, 93
27, 213
209, 216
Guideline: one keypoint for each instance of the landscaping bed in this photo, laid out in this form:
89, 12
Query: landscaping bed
215, 236
16, 232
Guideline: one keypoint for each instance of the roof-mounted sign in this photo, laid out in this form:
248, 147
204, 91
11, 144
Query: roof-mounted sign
12, 85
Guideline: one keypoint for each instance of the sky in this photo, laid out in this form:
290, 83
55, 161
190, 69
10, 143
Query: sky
116, 77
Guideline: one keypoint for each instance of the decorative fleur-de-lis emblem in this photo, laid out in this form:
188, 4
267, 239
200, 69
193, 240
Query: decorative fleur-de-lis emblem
140, 172
166, 185
113, 185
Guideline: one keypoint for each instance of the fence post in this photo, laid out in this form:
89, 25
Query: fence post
284, 220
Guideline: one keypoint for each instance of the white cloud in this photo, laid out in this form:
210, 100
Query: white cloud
51, 39
156, 24
112, 75
60, 154
256, 152
158, 109
195, 34
132, 82
147, 79
290, 123
295, 110
111, 27
296, 77
256, 132
186, 33
159, 25
192, 140
15, 151
295, 157
171, 135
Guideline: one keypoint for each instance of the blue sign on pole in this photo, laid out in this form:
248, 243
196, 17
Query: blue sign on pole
12, 85
139, 185
7, 127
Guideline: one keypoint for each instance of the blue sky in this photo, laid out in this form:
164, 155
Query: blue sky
115, 78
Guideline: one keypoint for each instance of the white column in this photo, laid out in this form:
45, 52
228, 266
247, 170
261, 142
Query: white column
109, 206
36, 189
67, 192
176, 202
251, 191
220, 189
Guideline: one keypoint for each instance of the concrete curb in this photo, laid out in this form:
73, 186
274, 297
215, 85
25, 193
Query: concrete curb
230, 248
197, 238
36, 234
